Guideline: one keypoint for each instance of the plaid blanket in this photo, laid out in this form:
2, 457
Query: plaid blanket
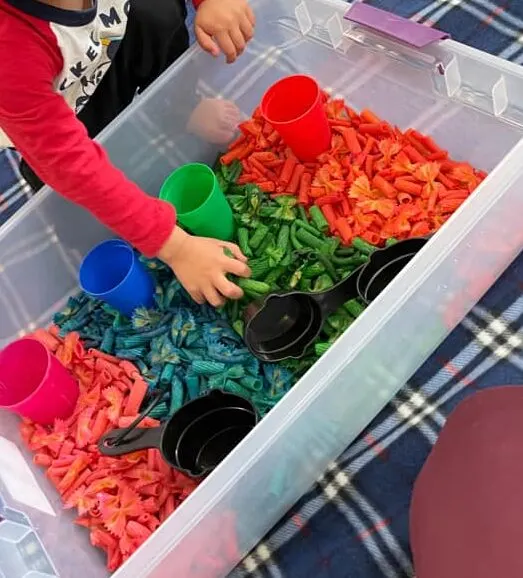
14, 191
494, 26
354, 522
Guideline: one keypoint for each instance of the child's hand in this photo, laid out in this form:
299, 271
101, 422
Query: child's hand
224, 25
200, 265
214, 120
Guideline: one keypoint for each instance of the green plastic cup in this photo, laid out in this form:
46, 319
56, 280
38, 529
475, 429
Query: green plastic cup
201, 206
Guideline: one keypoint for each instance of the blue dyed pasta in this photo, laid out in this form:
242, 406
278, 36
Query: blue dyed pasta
160, 411
252, 383
193, 386
182, 347
107, 344
202, 367
167, 374
177, 395
132, 353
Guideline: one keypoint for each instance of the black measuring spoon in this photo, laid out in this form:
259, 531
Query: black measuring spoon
283, 326
195, 439
384, 265
208, 439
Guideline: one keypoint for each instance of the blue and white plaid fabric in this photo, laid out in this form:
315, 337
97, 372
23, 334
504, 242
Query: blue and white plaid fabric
14, 191
495, 26
354, 522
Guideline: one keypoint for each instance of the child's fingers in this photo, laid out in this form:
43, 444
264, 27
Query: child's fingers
206, 42
228, 122
227, 46
213, 297
235, 250
233, 114
237, 268
231, 109
247, 28
228, 289
227, 125
197, 297
238, 40
250, 16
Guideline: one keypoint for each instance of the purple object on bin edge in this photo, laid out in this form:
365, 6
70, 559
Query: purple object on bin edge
398, 27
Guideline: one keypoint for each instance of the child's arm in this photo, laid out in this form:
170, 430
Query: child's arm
56, 145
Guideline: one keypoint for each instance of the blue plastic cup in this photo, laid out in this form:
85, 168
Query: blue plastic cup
112, 273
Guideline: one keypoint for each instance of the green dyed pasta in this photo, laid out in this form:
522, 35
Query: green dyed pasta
319, 221
354, 307
258, 236
362, 246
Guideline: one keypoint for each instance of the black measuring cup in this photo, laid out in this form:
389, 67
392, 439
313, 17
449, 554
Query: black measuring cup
195, 439
384, 265
283, 326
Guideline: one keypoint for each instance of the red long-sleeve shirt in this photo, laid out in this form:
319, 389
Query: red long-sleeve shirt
52, 60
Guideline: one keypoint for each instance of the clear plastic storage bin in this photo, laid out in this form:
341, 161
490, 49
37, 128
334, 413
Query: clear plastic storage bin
471, 103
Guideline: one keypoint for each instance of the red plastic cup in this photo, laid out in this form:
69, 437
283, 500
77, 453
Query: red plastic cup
34, 384
294, 107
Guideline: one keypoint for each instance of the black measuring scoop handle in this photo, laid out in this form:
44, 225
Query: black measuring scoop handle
138, 439
356, 283
332, 299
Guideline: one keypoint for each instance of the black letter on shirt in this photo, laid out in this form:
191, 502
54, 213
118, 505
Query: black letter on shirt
94, 40
91, 53
110, 19
78, 69
64, 86
126, 7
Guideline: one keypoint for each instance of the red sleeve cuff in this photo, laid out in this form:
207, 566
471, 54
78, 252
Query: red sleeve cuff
196, 3
158, 224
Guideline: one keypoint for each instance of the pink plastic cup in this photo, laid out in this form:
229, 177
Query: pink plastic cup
34, 384
294, 107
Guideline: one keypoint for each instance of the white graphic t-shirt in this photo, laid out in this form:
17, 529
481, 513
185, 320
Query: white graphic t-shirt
85, 42
52, 62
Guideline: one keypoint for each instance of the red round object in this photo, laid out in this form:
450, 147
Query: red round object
466, 508
294, 107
